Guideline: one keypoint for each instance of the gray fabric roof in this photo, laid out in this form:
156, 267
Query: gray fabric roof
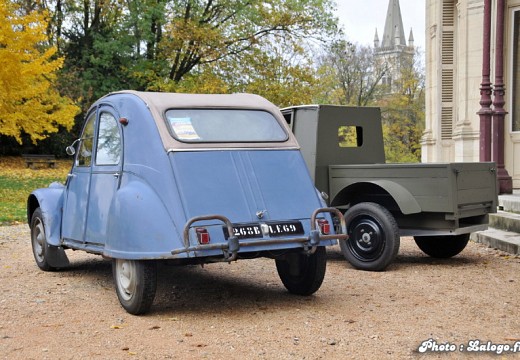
158, 103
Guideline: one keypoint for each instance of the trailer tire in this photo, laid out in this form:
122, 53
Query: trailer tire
374, 240
136, 283
303, 274
442, 247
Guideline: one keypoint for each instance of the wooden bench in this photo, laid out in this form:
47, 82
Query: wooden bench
31, 160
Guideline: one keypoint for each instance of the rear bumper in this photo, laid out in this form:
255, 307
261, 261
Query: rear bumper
231, 248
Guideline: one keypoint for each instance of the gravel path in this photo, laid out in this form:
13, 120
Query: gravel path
242, 311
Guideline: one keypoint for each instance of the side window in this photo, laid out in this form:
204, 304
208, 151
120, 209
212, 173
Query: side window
87, 139
350, 136
108, 150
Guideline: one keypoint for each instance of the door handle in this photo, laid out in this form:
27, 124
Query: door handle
116, 175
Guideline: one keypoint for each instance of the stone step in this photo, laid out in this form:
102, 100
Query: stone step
499, 239
510, 203
507, 221
504, 226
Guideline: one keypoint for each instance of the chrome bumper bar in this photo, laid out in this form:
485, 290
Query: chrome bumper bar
232, 246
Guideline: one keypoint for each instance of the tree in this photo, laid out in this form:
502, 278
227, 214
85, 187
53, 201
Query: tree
204, 32
403, 113
283, 73
29, 103
169, 45
352, 74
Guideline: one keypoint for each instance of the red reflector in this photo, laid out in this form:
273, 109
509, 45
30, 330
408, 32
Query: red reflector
324, 226
202, 235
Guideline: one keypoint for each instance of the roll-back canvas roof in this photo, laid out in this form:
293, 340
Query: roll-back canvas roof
158, 103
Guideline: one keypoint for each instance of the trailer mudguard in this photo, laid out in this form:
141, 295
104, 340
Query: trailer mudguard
404, 199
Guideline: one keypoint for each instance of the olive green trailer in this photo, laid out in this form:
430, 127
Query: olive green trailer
439, 204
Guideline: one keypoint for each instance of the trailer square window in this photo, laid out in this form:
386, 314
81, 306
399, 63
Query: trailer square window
350, 136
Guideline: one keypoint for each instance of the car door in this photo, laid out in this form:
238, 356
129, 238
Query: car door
78, 185
105, 175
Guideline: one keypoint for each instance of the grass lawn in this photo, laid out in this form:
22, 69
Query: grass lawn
17, 182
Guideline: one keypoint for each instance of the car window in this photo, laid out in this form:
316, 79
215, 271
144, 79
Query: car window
87, 139
108, 150
224, 125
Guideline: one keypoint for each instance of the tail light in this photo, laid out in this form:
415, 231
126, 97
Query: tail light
202, 235
324, 226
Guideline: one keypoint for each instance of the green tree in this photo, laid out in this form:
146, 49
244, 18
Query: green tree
283, 73
403, 114
351, 74
189, 45
205, 32
29, 102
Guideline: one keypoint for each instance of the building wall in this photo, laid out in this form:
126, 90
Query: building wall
454, 43
512, 138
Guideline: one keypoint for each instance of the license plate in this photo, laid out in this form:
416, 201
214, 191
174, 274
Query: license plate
272, 228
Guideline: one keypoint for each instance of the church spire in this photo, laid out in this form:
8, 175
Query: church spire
394, 31
376, 40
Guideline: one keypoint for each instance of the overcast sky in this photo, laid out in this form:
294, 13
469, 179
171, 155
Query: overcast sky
360, 18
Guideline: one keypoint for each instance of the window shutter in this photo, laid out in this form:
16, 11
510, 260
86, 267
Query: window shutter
447, 68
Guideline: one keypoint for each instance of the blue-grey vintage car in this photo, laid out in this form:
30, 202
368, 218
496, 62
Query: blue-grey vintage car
188, 179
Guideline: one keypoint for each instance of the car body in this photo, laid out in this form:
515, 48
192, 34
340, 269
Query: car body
189, 179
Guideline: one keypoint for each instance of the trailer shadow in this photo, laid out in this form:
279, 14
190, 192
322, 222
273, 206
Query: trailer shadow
409, 259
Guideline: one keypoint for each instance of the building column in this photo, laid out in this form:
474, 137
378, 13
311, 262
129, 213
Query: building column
505, 181
485, 112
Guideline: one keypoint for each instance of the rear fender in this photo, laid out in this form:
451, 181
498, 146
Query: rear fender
140, 226
50, 201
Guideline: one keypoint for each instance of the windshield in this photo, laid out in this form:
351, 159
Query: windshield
224, 125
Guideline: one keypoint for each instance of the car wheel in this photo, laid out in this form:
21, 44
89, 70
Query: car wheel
374, 240
39, 244
303, 274
136, 282
442, 247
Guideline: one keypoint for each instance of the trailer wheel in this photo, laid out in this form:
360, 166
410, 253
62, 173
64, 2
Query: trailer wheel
136, 282
303, 274
374, 240
442, 247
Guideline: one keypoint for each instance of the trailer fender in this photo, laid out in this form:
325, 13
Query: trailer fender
404, 199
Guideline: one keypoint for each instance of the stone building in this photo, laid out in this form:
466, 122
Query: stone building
473, 85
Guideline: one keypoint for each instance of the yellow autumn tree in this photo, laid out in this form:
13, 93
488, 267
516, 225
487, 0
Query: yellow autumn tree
29, 102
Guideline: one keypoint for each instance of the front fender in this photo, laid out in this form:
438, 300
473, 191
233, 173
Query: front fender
50, 201
140, 226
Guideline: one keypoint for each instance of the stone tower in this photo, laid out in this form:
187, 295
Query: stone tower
392, 51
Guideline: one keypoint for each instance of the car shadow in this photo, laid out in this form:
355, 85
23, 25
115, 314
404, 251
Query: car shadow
189, 289
195, 289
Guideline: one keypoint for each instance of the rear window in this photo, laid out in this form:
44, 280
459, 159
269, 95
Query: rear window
224, 125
